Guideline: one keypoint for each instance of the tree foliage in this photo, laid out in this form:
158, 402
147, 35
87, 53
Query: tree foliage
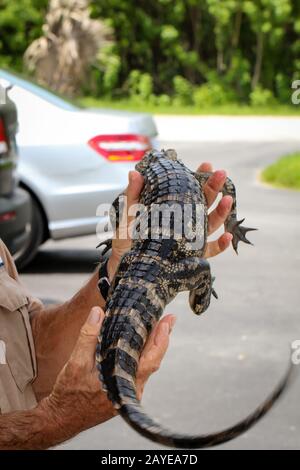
189, 50
226, 50
20, 23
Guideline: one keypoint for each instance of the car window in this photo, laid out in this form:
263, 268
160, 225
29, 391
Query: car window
38, 91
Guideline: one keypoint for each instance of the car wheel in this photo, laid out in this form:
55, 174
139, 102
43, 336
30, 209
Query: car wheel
36, 237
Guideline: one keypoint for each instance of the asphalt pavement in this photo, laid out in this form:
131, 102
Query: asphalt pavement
220, 366
228, 128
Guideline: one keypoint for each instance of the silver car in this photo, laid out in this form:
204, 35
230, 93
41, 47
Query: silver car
72, 160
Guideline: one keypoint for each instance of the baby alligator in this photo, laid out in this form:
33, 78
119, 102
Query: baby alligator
160, 265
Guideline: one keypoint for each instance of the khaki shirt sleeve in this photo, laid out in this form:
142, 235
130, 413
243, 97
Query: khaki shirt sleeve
18, 367
34, 304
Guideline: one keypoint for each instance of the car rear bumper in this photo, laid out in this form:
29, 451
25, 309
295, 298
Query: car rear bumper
13, 230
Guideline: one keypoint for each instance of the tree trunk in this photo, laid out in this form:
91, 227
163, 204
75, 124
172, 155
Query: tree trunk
195, 18
259, 59
237, 29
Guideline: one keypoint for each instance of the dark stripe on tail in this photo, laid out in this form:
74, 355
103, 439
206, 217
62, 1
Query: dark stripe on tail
118, 356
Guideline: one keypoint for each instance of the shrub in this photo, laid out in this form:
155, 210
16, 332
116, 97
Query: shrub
140, 85
163, 100
133, 82
111, 74
260, 97
285, 172
183, 91
145, 86
211, 94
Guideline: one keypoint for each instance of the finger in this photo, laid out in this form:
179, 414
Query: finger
153, 357
220, 214
218, 246
165, 326
205, 167
84, 351
214, 185
132, 195
136, 183
158, 331
154, 351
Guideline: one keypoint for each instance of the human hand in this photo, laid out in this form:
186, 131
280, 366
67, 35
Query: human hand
77, 401
217, 218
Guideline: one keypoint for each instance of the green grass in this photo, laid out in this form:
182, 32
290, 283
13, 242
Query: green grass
285, 173
226, 110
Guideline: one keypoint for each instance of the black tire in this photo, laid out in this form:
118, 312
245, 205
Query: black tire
36, 237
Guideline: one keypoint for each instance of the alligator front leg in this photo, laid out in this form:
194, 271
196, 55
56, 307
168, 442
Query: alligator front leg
232, 225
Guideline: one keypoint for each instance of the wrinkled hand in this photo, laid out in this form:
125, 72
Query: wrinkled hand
77, 401
216, 218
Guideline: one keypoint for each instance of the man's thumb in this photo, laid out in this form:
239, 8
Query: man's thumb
85, 348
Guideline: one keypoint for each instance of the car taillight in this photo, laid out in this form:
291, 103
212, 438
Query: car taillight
3, 141
121, 148
7, 216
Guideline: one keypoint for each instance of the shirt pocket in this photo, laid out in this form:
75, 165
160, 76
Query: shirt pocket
15, 331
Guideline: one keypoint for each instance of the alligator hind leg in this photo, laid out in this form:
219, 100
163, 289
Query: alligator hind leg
232, 225
193, 274
200, 297
107, 244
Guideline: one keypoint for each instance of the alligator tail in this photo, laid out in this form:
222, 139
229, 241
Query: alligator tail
131, 410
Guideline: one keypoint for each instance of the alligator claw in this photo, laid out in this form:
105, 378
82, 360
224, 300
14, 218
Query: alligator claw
213, 292
108, 245
239, 234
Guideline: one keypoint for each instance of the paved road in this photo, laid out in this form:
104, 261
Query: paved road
219, 366
229, 128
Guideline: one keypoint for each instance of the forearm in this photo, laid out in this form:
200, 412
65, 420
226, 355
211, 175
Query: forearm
48, 425
30, 430
56, 331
